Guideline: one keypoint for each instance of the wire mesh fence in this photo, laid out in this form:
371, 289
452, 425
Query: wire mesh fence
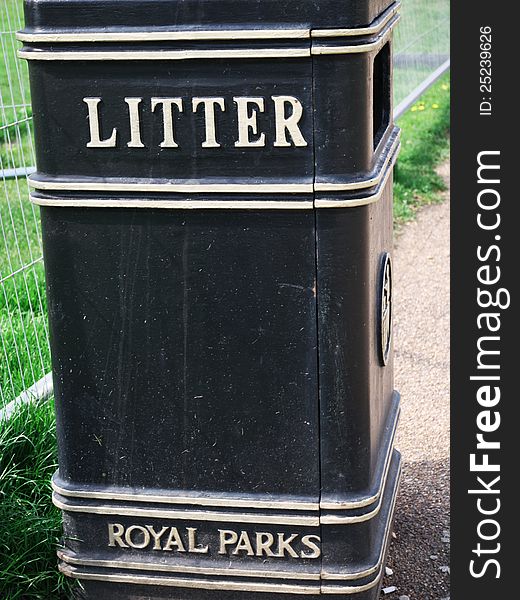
421, 49
24, 347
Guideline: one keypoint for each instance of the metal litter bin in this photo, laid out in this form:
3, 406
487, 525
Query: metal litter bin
215, 184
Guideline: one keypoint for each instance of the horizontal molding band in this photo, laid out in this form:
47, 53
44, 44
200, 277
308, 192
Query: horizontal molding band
175, 204
227, 571
161, 567
354, 202
318, 49
112, 187
391, 150
216, 585
192, 515
152, 35
326, 578
336, 589
36, 54
361, 503
180, 499
173, 187
374, 28
217, 502
230, 517
190, 203
378, 566
346, 520
206, 584
67, 567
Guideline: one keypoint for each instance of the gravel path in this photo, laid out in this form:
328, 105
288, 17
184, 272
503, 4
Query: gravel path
419, 554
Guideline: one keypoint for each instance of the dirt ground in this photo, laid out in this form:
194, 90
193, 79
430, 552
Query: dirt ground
420, 551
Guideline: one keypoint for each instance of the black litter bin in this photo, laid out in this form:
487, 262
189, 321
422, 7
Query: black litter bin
215, 184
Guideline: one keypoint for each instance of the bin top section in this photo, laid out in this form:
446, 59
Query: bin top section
59, 16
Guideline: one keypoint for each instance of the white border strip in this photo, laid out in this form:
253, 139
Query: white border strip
374, 28
196, 501
229, 571
228, 517
233, 188
36, 54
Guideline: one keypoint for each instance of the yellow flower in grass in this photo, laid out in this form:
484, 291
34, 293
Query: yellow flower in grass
435, 105
444, 86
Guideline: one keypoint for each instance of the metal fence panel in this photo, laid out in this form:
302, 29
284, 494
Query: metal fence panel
24, 348
422, 48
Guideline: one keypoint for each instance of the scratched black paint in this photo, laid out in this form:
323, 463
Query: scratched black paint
218, 370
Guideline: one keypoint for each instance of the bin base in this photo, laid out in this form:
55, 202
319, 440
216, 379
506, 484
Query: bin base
119, 581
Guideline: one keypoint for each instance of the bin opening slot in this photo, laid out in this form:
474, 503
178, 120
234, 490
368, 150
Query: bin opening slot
381, 93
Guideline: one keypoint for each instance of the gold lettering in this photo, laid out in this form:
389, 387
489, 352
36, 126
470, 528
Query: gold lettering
192, 542
288, 124
115, 531
256, 543
248, 122
285, 545
93, 121
244, 544
156, 536
135, 124
264, 541
174, 540
288, 113
168, 128
316, 550
146, 536
209, 117
227, 537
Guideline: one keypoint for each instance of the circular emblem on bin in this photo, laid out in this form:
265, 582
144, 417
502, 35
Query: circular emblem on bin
385, 307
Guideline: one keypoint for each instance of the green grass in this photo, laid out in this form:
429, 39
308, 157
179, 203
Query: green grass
14, 81
29, 524
425, 143
24, 350
19, 226
15, 139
